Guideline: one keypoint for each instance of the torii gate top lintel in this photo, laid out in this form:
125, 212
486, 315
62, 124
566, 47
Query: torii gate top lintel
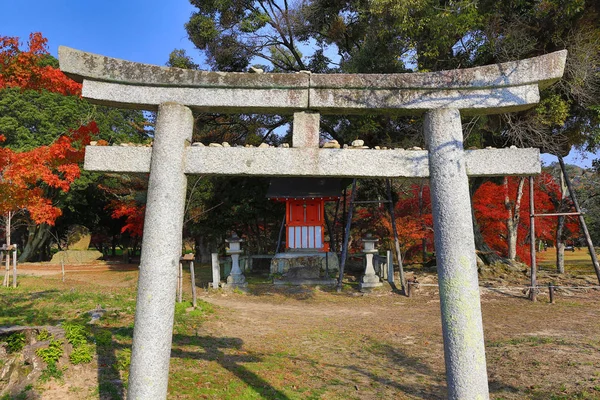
489, 89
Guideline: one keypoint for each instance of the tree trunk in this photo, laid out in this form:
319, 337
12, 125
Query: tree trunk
37, 236
560, 244
202, 250
485, 253
514, 214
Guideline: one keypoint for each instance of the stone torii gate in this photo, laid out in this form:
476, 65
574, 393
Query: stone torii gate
441, 96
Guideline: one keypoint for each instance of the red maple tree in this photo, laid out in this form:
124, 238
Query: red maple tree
492, 213
27, 69
28, 178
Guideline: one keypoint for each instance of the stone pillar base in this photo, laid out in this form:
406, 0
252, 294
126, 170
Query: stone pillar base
369, 282
236, 281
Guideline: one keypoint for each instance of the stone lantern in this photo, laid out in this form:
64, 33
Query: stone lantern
370, 279
236, 278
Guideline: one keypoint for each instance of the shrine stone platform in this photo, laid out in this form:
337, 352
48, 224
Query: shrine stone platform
305, 267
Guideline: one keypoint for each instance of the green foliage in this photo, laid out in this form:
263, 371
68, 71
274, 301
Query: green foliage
52, 353
179, 59
82, 354
15, 342
75, 333
103, 338
51, 372
123, 359
29, 118
43, 335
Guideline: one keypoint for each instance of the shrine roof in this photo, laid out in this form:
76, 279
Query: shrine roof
304, 188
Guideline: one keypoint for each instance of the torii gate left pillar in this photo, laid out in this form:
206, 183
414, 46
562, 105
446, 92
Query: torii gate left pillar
440, 95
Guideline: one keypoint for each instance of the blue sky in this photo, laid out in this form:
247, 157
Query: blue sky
143, 31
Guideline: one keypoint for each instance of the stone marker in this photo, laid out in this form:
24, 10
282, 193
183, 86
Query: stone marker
390, 266
443, 96
216, 270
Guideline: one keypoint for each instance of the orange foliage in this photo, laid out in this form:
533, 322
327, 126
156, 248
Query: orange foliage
133, 213
492, 214
24, 69
27, 177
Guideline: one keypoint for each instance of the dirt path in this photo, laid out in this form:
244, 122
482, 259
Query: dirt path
391, 347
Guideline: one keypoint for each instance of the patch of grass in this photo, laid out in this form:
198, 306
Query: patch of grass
15, 342
52, 353
51, 372
43, 335
103, 337
530, 340
75, 333
82, 354
123, 360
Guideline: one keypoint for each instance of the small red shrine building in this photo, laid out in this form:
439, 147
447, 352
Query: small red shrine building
305, 209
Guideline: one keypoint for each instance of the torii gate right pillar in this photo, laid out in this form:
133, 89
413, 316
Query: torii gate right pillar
462, 324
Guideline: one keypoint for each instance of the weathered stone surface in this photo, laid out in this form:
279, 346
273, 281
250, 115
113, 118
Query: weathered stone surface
207, 99
544, 69
416, 101
75, 256
159, 264
358, 143
80, 65
117, 159
455, 254
313, 162
78, 237
305, 130
304, 265
332, 144
489, 89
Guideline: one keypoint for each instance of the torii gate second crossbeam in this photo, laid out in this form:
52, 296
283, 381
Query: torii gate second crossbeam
441, 96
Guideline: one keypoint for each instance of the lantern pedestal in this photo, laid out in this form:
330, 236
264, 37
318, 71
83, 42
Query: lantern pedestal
369, 280
236, 278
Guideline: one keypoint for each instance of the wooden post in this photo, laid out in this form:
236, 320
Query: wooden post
281, 231
14, 265
409, 288
62, 268
533, 288
586, 233
7, 272
193, 277
396, 241
180, 284
346, 235
551, 292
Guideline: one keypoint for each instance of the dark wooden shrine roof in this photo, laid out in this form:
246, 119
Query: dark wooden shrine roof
303, 188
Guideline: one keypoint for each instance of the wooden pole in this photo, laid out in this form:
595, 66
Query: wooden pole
62, 268
193, 278
346, 235
533, 288
281, 231
551, 292
586, 233
180, 284
7, 263
396, 241
14, 266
